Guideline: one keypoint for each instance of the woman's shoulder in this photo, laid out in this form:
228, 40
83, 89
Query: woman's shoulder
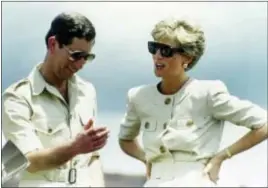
140, 90
208, 84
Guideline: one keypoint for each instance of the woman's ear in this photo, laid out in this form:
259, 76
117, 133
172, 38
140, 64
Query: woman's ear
185, 65
187, 60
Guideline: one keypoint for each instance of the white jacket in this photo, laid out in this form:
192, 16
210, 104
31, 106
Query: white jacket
188, 125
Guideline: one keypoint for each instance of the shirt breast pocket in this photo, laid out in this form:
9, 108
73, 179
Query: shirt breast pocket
51, 131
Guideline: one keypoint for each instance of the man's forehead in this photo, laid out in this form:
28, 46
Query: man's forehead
82, 44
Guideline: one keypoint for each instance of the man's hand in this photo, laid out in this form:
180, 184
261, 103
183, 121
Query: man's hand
90, 139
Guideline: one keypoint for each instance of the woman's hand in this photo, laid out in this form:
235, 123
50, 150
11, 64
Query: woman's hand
148, 169
212, 169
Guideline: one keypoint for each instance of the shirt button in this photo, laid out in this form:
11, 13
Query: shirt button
75, 163
165, 125
49, 130
147, 125
167, 101
162, 149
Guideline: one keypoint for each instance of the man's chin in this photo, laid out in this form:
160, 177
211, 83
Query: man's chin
67, 76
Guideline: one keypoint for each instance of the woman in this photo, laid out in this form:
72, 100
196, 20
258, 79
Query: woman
182, 118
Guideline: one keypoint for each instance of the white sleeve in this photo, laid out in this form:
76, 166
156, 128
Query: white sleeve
230, 108
130, 124
16, 124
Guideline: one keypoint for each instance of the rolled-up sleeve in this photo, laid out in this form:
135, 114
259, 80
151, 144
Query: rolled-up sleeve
130, 124
16, 124
226, 107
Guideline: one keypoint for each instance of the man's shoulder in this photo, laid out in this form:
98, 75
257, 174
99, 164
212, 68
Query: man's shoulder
20, 87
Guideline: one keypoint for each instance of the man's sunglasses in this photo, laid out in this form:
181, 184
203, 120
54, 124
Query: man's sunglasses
165, 50
78, 55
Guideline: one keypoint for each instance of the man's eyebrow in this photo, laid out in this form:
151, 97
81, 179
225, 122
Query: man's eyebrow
76, 50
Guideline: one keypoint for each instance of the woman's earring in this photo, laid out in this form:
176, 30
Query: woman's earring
185, 65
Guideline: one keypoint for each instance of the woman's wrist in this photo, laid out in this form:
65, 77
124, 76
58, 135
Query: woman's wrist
142, 157
223, 155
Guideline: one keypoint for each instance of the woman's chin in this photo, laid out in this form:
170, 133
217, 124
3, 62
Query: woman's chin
158, 73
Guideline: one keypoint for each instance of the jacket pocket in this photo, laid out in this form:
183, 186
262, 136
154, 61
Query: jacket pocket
186, 123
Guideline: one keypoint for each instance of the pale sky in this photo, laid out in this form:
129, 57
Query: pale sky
236, 52
236, 41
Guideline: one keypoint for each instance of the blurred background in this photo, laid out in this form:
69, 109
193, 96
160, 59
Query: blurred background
236, 53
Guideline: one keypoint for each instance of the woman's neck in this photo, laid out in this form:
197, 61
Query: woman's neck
172, 85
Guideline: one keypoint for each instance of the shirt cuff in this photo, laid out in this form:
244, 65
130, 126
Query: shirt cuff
27, 144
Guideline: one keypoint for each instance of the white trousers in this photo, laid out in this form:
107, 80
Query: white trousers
178, 174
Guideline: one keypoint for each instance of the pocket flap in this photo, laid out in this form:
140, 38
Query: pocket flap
49, 126
185, 123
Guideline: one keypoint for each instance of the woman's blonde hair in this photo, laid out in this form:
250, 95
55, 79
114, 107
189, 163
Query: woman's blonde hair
184, 34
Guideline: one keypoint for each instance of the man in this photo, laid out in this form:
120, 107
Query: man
50, 114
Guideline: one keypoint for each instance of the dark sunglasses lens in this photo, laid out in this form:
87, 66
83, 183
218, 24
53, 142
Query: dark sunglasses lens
152, 48
166, 52
77, 56
89, 57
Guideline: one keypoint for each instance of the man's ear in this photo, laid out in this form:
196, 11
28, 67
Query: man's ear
52, 42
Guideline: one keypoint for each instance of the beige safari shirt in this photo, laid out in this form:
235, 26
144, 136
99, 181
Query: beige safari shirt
188, 125
35, 116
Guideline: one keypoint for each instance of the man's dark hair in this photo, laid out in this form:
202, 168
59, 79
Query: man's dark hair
67, 26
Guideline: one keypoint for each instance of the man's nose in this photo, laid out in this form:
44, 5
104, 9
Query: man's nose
79, 63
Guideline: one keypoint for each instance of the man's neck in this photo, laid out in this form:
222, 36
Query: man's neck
50, 77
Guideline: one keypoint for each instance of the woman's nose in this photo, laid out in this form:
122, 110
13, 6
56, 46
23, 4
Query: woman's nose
158, 54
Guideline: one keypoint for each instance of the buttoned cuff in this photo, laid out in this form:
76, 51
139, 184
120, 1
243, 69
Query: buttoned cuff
257, 118
26, 143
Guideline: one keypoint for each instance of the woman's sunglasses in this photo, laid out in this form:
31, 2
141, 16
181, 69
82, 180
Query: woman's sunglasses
165, 50
78, 55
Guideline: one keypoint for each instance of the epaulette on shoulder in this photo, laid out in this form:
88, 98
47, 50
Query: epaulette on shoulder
15, 86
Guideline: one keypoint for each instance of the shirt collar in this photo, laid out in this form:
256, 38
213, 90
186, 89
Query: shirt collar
38, 82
